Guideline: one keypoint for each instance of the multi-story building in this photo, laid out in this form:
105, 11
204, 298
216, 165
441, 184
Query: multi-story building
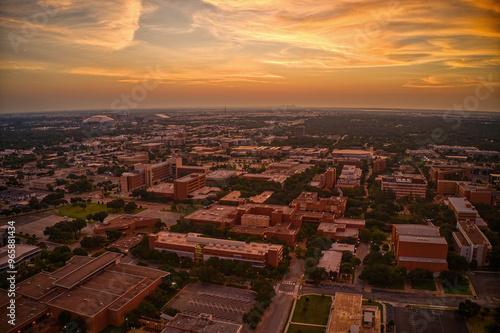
134, 159
463, 209
146, 175
127, 224
341, 228
299, 131
199, 248
449, 172
471, 243
494, 179
350, 177
476, 194
330, 178
16, 194
99, 290
42, 183
473, 193
309, 201
419, 246
352, 153
379, 164
403, 186
23, 255
184, 170
350, 315
187, 184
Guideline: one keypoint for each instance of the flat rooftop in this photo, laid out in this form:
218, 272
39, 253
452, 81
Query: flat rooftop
216, 213
162, 188
26, 311
346, 312
473, 233
37, 286
221, 174
422, 239
84, 301
125, 243
462, 205
330, 261
417, 230
348, 221
189, 177
72, 279
261, 198
232, 196
193, 239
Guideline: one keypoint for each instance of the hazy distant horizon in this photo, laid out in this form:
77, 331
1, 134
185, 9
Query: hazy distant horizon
280, 108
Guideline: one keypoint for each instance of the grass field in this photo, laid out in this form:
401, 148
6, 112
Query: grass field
424, 285
400, 285
314, 311
76, 212
294, 328
456, 291
478, 324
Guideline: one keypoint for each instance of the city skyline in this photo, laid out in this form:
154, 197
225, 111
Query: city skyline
70, 55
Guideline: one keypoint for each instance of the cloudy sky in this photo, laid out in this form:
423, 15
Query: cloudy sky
109, 54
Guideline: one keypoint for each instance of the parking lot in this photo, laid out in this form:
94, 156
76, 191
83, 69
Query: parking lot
419, 320
487, 286
221, 302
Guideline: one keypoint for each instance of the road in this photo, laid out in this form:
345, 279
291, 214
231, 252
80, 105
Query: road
275, 317
396, 298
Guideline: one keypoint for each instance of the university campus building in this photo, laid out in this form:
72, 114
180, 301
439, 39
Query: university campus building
99, 290
419, 246
470, 242
199, 248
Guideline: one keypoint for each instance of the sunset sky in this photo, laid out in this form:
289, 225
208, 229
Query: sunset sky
88, 54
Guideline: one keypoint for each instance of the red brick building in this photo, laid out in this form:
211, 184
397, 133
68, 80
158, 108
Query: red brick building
419, 246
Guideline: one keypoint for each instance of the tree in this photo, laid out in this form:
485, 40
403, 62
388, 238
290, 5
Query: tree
468, 309
457, 262
80, 252
99, 216
365, 235
209, 275
116, 204
130, 207
64, 317
92, 242
113, 235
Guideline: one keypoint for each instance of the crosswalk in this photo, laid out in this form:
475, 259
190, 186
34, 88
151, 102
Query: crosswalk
286, 283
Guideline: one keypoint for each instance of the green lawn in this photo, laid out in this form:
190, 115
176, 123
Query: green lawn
456, 291
478, 324
294, 328
424, 285
400, 285
314, 311
76, 212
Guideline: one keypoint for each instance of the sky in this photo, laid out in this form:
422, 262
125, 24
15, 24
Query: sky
128, 54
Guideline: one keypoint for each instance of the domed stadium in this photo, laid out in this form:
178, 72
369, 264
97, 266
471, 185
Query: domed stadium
98, 120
